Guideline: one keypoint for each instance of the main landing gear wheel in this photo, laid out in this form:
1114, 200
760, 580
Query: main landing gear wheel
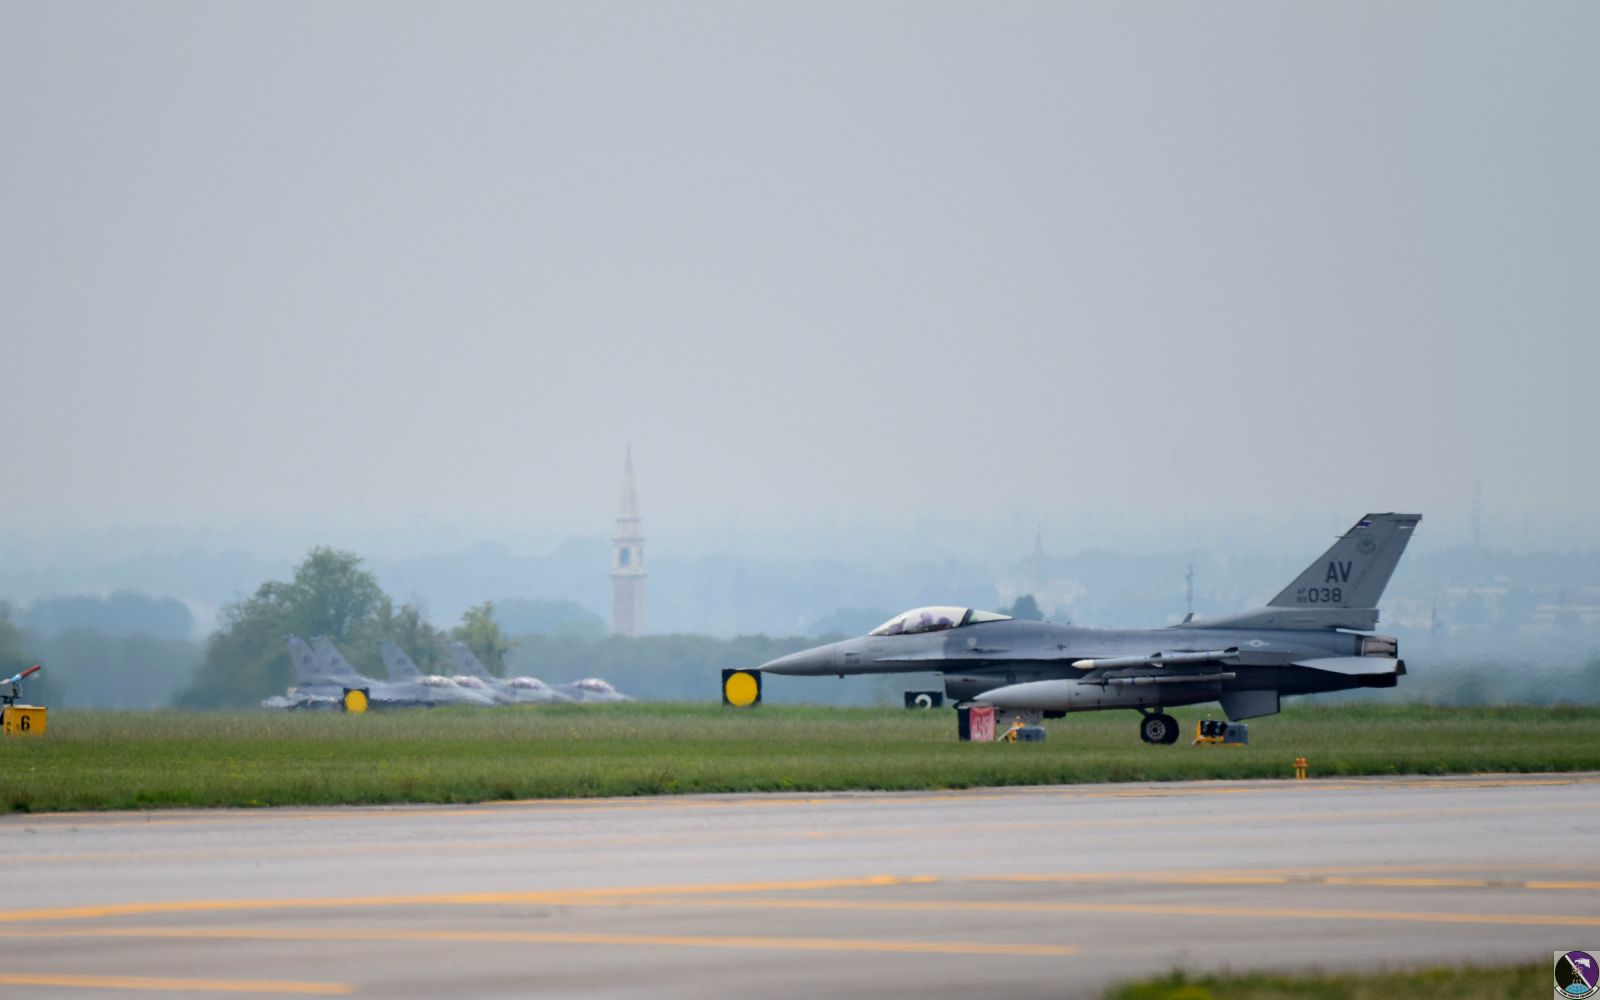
1158, 728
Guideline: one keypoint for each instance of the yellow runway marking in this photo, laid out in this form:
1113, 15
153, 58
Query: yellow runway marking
1147, 909
1289, 878
551, 897
985, 948
740, 835
1461, 883
1371, 869
164, 984
1162, 790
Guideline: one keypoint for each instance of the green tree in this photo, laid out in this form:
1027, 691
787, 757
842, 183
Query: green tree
420, 639
483, 636
332, 595
247, 659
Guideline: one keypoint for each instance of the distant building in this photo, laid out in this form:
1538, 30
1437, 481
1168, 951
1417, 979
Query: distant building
627, 561
1045, 578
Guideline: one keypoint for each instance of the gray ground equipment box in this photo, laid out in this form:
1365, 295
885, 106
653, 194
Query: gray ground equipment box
1215, 732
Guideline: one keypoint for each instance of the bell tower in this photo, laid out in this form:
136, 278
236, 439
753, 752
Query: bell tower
627, 561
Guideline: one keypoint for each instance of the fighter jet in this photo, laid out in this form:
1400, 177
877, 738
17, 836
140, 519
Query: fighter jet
426, 692
402, 668
471, 673
1312, 637
313, 688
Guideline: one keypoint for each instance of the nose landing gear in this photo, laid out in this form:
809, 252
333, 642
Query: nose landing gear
1158, 727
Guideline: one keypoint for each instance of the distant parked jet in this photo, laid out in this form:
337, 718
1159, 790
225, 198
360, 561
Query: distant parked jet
592, 690
471, 672
310, 687
402, 668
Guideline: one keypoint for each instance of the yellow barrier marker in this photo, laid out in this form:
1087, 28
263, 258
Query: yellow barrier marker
1299, 769
23, 720
741, 688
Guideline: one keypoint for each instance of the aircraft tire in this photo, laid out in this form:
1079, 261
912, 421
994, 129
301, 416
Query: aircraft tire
1172, 731
1159, 728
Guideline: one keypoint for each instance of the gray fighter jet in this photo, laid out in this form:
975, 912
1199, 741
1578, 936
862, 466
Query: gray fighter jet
312, 687
1313, 637
426, 692
471, 673
402, 668
589, 690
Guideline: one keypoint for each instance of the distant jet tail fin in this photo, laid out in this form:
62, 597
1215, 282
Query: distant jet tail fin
303, 662
400, 666
332, 662
467, 663
1341, 588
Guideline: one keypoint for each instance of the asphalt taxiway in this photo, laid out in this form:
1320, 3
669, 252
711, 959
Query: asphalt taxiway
1053, 891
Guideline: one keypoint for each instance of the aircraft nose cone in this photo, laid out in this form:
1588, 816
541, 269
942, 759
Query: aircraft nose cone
817, 660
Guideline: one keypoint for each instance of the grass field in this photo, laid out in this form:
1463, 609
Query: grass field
138, 760
1458, 983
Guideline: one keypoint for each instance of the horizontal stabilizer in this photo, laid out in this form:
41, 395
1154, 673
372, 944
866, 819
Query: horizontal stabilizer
1353, 666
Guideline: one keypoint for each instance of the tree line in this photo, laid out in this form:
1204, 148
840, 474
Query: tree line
246, 659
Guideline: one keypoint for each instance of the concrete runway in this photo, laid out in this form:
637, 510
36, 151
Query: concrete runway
1052, 891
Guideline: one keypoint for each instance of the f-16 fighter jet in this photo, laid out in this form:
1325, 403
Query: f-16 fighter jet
402, 668
312, 688
471, 673
1315, 636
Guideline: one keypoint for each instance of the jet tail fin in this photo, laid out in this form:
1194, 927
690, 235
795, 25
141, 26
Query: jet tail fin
303, 662
1353, 573
332, 662
1341, 588
466, 663
400, 666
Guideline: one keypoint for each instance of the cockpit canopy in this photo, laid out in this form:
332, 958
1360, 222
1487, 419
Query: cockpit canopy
935, 618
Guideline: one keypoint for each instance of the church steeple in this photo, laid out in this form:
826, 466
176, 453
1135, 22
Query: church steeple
627, 560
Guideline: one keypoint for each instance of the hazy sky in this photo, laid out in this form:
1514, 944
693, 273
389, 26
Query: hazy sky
391, 263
